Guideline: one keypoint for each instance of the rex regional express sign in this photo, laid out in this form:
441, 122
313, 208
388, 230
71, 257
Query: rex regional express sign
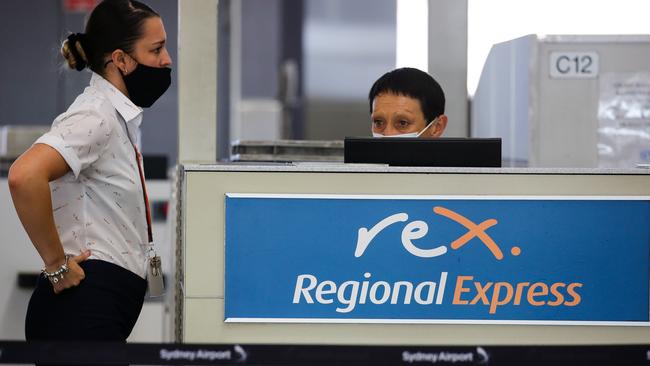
415, 259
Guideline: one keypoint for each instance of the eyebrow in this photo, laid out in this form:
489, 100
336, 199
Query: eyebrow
405, 111
162, 42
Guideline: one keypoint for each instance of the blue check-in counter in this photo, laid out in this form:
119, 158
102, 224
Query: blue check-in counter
375, 255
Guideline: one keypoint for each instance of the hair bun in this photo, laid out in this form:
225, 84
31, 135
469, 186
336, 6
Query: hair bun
73, 51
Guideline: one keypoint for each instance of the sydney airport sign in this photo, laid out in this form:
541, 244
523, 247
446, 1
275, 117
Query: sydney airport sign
430, 259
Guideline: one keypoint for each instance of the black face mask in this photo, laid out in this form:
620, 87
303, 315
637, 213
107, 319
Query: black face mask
146, 84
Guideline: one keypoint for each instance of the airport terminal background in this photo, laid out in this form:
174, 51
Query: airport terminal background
292, 76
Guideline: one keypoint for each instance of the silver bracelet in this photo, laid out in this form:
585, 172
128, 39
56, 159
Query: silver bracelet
57, 275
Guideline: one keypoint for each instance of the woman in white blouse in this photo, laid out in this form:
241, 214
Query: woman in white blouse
79, 190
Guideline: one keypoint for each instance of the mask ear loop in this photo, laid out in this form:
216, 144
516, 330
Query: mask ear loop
108, 62
121, 71
435, 120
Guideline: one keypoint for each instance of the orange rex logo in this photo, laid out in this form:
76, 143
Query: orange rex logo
418, 229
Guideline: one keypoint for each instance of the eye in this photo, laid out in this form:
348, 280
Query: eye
402, 124
157, 50
377, 123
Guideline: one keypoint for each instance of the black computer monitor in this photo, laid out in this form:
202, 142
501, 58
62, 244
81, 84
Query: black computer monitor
436, 152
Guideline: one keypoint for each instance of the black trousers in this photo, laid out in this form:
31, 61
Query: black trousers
104, 307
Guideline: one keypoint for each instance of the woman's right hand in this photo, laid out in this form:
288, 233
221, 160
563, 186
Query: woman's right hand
75, 273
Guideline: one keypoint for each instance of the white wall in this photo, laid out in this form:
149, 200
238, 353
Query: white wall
17, 255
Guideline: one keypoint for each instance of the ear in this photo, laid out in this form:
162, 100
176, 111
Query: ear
438, 128
121, 60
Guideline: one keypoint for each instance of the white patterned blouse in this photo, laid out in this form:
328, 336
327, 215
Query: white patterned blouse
99, 204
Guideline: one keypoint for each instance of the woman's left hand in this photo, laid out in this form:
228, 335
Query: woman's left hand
75, 273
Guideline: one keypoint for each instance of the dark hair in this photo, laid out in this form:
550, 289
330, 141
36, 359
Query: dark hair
113, 24
412, 83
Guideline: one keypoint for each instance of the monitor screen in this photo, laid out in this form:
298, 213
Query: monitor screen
437, 152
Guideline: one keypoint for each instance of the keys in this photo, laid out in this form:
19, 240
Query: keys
155, 264
155, 277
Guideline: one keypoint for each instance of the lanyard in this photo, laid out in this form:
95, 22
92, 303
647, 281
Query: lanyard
138, 157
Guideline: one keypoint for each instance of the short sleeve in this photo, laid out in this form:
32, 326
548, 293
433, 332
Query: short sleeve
80, 137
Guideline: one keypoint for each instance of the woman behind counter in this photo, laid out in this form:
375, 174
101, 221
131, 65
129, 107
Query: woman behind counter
79, 190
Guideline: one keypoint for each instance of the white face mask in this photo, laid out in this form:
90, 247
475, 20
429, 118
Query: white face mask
410, 134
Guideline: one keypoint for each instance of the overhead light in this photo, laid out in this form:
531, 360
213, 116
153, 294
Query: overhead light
412, 49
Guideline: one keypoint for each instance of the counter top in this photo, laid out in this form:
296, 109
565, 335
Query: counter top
379, 168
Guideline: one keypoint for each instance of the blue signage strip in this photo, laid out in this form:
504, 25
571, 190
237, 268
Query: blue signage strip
437, 260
